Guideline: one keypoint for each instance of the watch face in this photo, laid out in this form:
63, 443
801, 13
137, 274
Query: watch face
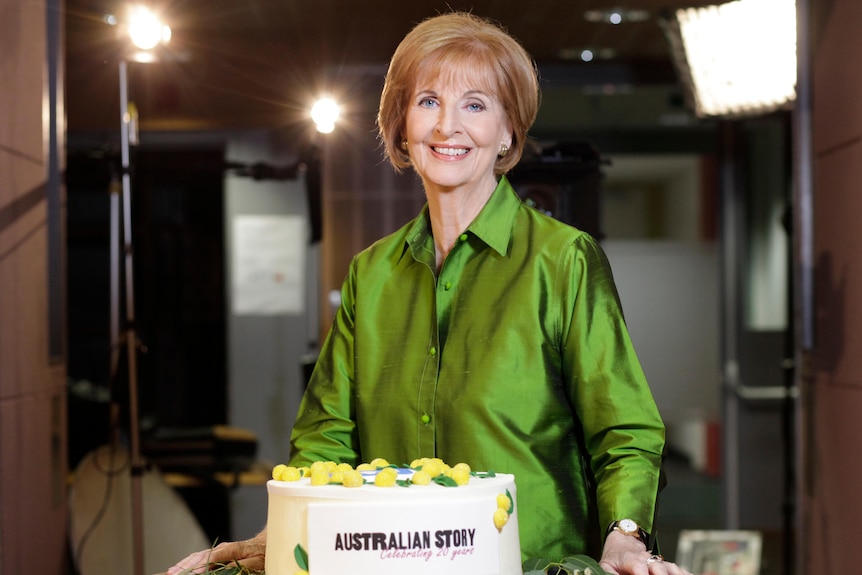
628, 526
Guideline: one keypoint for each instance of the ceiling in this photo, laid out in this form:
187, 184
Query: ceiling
254, 63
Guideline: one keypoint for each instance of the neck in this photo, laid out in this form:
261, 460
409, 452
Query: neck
452, 210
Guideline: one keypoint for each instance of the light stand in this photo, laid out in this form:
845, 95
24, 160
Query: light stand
129, 336
145, 31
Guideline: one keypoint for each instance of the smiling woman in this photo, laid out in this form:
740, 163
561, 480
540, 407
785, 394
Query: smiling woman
459, 98
454, 137
466, 55
484, 331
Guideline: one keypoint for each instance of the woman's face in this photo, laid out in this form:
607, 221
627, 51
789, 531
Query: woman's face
454, 133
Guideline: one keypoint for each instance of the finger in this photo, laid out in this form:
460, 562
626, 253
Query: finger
666, 567
196, 559
656, 565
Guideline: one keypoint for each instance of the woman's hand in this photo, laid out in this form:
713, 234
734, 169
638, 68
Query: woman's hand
251, 553
625, 555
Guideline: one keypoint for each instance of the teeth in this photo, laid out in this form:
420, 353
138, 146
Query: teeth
451, 151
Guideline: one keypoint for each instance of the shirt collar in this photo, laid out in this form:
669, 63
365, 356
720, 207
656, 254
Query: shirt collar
493, 225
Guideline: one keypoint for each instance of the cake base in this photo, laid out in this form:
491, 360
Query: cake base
418, 529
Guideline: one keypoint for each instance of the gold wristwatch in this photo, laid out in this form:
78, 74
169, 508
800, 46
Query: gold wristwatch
631, 528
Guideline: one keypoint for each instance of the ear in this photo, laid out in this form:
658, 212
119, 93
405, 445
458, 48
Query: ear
508, 144
508, 137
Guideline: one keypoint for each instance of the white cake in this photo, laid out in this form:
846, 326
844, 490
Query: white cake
405, 528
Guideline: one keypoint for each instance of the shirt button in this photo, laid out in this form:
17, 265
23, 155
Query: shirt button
447, 286
433, 351
463, 237
426, 419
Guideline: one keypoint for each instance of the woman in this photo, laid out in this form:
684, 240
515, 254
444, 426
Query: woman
484, 331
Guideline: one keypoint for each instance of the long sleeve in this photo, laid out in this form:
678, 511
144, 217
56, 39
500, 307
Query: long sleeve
623, 431
326, 427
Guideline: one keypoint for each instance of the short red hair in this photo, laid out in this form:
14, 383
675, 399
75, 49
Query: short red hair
462, 47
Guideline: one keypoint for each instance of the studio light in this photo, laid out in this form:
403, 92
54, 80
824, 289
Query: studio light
145, 29
325, 113
736, 59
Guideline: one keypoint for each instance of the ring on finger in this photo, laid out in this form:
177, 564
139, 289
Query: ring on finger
654, 559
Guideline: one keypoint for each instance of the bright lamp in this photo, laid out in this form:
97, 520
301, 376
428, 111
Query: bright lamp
145, 29
324, 113
736, 59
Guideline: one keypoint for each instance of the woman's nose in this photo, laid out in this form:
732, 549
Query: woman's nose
448, 122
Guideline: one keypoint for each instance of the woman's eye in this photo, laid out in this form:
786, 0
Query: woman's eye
427, 102
475, 107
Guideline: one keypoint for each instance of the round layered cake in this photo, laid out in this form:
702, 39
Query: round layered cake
393, 521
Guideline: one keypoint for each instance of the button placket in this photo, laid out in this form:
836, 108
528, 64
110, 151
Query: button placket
428, 388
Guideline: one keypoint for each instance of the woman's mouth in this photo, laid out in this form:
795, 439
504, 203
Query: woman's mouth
447, 151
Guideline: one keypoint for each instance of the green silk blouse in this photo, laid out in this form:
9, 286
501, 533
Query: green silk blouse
514, 358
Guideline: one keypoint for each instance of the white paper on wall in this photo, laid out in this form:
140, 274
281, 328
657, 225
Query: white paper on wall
268, 265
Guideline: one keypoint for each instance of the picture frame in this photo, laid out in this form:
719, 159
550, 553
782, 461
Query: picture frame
715, 552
